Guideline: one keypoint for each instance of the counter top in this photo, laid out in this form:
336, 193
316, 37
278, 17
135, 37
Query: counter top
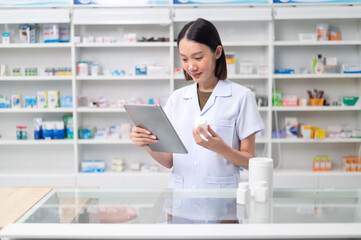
189, 214
14, 202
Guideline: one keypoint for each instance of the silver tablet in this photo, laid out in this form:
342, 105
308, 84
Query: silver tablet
153, 118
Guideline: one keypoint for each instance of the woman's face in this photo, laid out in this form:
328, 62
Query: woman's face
198, 60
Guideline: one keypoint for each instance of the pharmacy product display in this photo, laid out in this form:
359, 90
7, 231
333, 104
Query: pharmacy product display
302, 63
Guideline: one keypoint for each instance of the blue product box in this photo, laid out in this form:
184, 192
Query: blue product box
284, 71
279, 134
59, 133
85, 133
91, 166
38, 134
141, 70
66, 102
48, 134
30, 102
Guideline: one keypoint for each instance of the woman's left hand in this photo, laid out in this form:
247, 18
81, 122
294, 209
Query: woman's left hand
211, 140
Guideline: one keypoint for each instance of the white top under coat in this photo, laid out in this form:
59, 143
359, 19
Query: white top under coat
231, 111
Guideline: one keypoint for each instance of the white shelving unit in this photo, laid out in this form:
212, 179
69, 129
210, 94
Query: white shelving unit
294, 156
264, 35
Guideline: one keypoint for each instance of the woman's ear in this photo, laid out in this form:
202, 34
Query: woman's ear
219, 50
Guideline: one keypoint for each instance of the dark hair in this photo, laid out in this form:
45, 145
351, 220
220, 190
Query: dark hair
203, 31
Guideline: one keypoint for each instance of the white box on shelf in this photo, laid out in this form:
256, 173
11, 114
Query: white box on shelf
155, 70
307, 37
245, 68
130, 37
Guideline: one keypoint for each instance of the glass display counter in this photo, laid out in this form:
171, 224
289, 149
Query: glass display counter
189, 214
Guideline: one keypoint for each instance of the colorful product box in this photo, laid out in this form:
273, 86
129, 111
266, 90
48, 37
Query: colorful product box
322, 163
15, 101
92, 166
42, 99
351, 164
30, 102
277, 98
53, 99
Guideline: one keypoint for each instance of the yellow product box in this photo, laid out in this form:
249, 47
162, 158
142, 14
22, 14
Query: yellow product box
319, 133
322, 163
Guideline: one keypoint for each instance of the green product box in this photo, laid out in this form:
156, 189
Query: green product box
69, 127
277, 98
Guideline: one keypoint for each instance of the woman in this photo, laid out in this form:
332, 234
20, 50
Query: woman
214, 156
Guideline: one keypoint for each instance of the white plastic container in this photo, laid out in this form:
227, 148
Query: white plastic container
261, 192
243, 195
260, 169
201, 122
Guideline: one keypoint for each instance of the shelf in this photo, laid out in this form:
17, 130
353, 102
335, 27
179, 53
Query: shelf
327, 140
121, 78
311, 108
317, 43
303, 172
36, 110
314, 76
101, 110
240, 44
124, 44
263, 109
126, 173
37, 173
36, 45
104, 141
261, 140
37, 142
234, 77
37, 78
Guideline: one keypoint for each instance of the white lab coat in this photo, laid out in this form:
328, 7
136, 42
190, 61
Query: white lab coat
232, 113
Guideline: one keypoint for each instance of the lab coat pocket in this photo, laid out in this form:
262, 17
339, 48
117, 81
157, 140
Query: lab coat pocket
224, 128
176, 181
221, 182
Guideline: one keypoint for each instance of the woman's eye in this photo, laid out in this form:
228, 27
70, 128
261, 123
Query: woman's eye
198, 58
184, 60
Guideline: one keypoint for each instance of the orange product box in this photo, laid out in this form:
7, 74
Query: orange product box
350, 163
316, 164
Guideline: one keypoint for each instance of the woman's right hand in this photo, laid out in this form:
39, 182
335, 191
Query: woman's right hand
141, 137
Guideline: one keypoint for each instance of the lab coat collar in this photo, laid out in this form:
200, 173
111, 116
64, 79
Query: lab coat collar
222, 89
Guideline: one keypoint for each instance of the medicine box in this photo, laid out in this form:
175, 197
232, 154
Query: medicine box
322, 163
24, 33
140, 70
15, 101
6, 38
130, 37
231, 63
53, 99
245, 68
66, 101
307, 37
92, 166
277, 98
30, 102
351, 68
154, 70
351, 163
42, 99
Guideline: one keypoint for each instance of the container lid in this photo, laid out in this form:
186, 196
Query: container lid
261, 184
261, 161
243, 185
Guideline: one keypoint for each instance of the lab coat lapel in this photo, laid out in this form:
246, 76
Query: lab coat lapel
222, 89
191, 95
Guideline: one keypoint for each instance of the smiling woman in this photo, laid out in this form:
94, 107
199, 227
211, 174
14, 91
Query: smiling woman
215, 153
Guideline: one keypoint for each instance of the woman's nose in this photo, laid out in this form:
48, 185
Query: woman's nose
192, 67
